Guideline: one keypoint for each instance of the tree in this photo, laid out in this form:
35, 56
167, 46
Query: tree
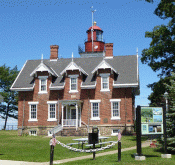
10, 98
160, 56
171, 115
158, 89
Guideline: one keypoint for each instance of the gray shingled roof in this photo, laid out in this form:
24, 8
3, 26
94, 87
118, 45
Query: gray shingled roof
126, 66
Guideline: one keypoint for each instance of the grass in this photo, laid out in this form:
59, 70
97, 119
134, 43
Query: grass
153, 157
37, 148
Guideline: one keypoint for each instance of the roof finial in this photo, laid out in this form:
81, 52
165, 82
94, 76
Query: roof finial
137, 51
72, 57
95, 23
42, 58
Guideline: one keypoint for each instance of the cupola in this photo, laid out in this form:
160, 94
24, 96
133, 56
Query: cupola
97, 44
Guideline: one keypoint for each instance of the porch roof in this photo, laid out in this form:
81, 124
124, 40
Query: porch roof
70, 102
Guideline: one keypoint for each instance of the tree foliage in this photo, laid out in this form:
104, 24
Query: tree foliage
10, 98
160, 56
171, 115
158, 88
161, 53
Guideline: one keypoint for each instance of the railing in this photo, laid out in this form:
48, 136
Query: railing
9, 127
69, 122
56, 129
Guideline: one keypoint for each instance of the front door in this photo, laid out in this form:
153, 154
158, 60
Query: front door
73, 113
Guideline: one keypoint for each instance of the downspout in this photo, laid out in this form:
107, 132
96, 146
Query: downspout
23, 115
125, 111
88, 112
58, 110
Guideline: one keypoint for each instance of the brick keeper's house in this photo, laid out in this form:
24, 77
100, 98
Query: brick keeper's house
68, 96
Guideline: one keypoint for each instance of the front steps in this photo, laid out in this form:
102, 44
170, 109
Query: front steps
71, 131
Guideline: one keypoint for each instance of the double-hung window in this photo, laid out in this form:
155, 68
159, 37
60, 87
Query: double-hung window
33, 111
73, 83
42, 84
95, 109
104, 82
52, 110
115, 108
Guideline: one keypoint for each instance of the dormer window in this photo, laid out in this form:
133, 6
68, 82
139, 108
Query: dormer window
104, 82
73, 83
42, 84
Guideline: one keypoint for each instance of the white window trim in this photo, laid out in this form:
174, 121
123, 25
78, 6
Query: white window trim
49, 134
52, 102
112, 101
42, 78
31, 134
102, 76
114, 134
95, 101
73, 76
33, 103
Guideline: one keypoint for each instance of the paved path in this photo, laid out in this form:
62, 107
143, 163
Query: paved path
10, 162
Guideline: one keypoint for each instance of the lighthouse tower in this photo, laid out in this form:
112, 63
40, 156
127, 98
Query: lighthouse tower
97, 45
94, 44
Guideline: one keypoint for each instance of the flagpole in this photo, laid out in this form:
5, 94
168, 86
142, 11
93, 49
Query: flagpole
92, 31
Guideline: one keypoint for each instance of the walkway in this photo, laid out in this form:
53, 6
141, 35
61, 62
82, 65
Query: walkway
10, 162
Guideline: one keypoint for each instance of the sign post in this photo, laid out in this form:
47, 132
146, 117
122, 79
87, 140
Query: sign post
149, 121
164, 128
93, 138
138, 130
52, 145
119, 146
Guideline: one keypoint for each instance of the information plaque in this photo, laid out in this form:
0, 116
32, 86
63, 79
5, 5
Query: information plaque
151, 120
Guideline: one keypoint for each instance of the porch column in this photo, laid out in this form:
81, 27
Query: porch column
62, 115
80, 114
76, 116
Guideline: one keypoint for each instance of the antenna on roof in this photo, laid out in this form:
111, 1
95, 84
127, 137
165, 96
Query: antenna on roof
92, 37
42, 58
103, 54
72, 57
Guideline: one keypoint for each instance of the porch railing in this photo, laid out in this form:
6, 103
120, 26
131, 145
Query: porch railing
70, 122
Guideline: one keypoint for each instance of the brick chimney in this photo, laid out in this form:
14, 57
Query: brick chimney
109, 50
54, 52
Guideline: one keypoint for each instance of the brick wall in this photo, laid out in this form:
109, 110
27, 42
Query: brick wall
125, 94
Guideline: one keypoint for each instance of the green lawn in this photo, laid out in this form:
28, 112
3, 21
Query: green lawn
153, 157
37, 148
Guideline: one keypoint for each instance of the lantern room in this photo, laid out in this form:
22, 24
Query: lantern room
97, 44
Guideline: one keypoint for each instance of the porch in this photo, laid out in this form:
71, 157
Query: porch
71, 113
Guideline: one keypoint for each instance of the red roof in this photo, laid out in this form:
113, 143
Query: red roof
95, 27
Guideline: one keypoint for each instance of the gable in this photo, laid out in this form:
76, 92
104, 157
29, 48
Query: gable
43, 67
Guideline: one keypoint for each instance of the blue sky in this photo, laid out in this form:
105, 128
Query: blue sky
28, 28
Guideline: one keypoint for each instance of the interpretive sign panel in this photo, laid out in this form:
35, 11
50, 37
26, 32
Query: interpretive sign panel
151, 120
